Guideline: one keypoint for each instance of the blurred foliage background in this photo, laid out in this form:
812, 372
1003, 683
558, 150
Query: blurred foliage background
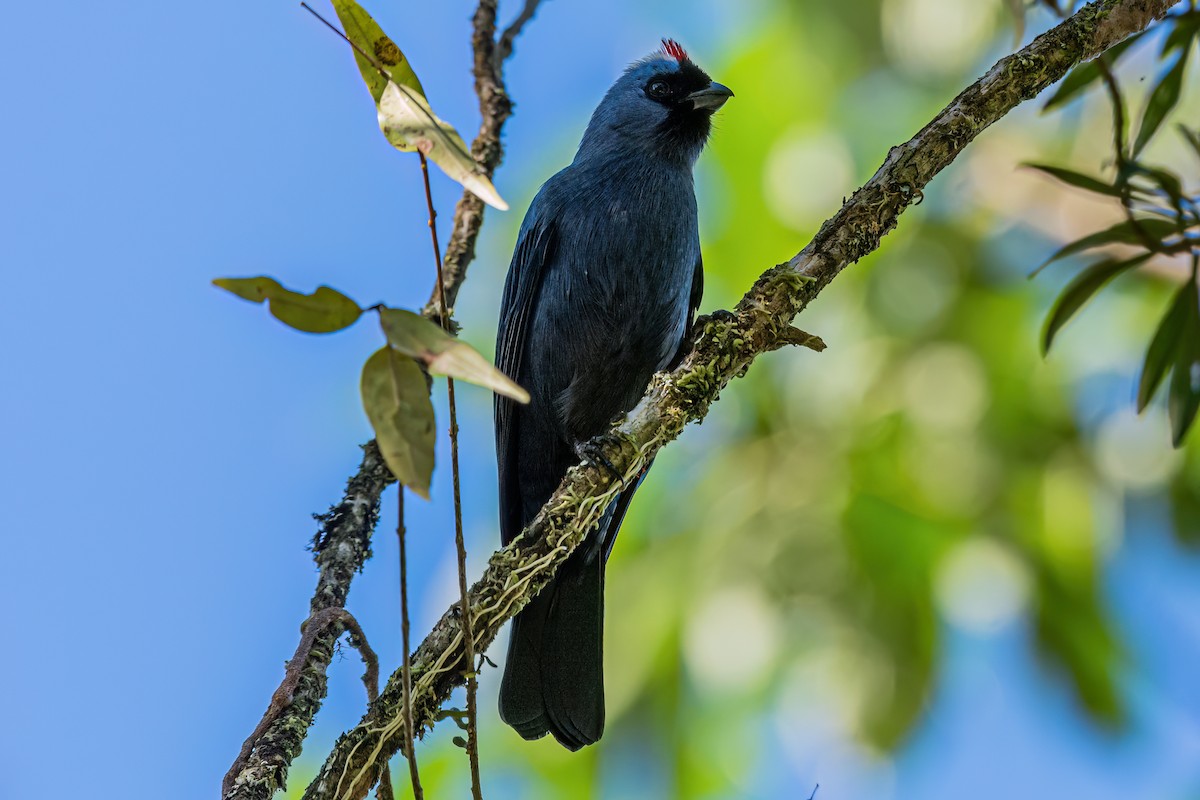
926, 563
791, 572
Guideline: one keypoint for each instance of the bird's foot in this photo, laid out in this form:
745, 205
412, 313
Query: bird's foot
592, 452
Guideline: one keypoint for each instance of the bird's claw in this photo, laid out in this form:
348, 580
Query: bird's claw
592, 453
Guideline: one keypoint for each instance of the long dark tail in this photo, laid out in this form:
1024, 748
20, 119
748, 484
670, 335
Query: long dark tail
554, 676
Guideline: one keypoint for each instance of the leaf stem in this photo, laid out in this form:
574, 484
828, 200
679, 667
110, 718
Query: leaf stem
459, 544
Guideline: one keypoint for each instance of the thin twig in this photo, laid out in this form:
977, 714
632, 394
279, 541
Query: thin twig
724, 348
459, 544
504, 45
495, 107
317, 624
410, 738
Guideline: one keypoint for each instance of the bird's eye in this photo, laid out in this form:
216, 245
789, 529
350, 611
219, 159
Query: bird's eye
658, 89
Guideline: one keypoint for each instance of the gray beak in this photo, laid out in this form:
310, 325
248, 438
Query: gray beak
710, 97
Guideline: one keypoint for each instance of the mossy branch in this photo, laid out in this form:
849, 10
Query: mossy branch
726, 343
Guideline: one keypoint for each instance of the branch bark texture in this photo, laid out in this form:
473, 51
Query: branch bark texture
343, 543
495, 108
725, 345
341, 546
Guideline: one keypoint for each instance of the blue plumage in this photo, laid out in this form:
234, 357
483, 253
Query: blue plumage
603, 285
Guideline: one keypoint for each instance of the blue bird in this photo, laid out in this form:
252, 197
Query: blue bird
601, 293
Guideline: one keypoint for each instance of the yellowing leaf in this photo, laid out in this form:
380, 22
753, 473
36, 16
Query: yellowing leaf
324, 311
415, 336
396, 399
363, 31
405, 116
410, 124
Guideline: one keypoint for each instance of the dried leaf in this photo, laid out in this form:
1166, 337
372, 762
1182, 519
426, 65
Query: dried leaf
404, 114
415, 336
410, 124
1080, 290
324, 311
396, 399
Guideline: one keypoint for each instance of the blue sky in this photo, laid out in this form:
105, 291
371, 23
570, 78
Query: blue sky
164, 445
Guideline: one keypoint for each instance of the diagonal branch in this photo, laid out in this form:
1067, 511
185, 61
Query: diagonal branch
725, 346
504, 45
343, 543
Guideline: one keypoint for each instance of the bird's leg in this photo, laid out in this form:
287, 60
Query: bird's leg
592, 452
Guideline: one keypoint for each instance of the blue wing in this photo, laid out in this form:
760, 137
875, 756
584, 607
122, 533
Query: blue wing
535, 249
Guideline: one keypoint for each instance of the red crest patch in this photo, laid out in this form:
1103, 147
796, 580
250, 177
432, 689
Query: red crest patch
674, 50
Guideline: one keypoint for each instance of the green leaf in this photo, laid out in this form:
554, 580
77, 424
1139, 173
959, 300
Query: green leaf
363, 31
1168, 184
1184, 398
1077, 179
1122, 233
1162, 100
405, 116
410, 124
415, 336
1017, 9
1161, 353
1193, 137
1080, 290
396, 399
324, 311
1086, 74
1182, 31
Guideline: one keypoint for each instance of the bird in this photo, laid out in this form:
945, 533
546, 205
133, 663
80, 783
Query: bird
604, 284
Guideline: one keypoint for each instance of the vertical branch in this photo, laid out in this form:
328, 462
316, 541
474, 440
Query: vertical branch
459, 544
409, 734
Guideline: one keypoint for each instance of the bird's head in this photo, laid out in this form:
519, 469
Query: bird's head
662, 105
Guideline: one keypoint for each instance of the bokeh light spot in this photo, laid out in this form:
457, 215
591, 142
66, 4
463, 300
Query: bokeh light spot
1134, 453
945, 387
935, 37
980, 586
806, 175
732, 639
